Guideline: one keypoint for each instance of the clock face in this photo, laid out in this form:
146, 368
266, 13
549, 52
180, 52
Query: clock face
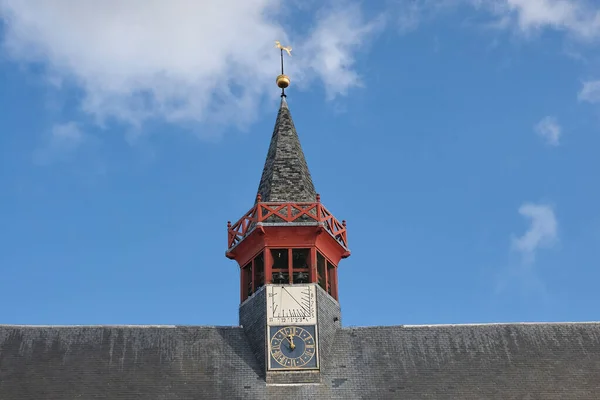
291, 304
292, 347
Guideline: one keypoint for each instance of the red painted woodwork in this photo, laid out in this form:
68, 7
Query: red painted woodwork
285, 212
272, 226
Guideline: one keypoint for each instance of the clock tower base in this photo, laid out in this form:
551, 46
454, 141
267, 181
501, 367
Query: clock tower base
253, 318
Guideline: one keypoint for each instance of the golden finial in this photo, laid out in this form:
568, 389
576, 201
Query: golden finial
283, 80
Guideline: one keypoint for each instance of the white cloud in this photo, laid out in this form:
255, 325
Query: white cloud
549, 129
577, 17
181, 60
62, 139
590, 92
337, 35
67, 134
580, 18
409, 15
542, 231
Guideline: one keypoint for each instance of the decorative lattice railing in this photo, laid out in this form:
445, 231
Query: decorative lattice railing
268, 213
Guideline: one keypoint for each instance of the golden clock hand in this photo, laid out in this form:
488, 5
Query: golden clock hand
290, 338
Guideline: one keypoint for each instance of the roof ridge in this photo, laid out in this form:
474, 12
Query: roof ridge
116, 326
474, 324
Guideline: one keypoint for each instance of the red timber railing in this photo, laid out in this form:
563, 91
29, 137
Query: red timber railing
272, 213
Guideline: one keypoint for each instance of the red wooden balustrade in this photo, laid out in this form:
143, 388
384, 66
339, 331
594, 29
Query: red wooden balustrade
268, 212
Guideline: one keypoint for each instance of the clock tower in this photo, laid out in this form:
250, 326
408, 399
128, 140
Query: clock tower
288, 247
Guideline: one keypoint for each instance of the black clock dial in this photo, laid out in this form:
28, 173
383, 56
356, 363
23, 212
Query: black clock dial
293, 347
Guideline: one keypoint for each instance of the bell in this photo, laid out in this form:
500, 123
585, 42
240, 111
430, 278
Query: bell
280, 277
302, 277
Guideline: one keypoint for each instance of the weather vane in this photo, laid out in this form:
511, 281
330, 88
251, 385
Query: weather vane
283, 80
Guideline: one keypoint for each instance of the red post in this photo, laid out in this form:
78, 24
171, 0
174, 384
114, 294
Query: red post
253, 276
334, 286
268, 265
290, 267
312, 273
242, 293
326, 277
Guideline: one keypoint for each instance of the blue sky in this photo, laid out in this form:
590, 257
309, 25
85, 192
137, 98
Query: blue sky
459, 139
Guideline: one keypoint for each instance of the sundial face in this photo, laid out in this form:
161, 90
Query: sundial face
291, 304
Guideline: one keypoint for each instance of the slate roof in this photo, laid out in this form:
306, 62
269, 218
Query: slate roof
285, 176
499, 361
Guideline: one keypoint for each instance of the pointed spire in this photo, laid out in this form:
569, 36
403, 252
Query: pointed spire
286, 177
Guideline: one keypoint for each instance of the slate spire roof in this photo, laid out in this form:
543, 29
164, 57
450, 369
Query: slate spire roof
286, 177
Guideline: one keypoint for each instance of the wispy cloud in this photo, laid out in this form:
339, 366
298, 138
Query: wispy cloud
541, 233
412, 13
580, 18
333, 43
61, 140
67, 134
549, 129
590, 92
409, 15
183, 61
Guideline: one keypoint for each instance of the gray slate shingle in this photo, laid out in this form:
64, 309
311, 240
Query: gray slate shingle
285, 176
504, 361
